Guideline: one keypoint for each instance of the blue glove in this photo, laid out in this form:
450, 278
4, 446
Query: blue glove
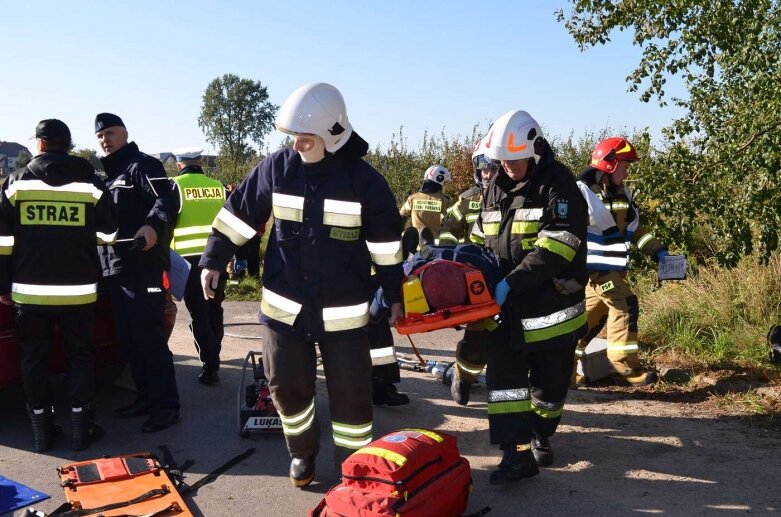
662, 253
502, 290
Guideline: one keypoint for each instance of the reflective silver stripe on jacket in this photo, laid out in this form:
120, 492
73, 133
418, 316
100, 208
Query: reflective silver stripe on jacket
382, 356
567, 238
385, 253
341, 213
232, 227
279, 308
554, 319
346, 318
287, 207
527, 214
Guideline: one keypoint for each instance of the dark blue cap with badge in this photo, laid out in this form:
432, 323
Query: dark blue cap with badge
105, 120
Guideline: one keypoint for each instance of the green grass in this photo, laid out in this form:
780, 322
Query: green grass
247, 290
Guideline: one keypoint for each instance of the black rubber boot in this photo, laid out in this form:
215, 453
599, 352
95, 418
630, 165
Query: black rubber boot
459, 389
302, 471
85, 431
387, 394
542, 450
44, 428
517, 463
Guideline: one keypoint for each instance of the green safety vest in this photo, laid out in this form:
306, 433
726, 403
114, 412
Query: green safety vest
201, 197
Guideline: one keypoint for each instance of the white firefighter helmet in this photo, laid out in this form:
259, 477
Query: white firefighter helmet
316, 109
514, 136
439, 174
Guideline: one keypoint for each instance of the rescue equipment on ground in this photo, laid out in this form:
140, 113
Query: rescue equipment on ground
133, 484
448, 286
593, 365
407, 473
257, 412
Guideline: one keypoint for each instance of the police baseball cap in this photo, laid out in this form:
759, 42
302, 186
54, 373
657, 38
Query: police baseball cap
105, 120
52, 129
187, 153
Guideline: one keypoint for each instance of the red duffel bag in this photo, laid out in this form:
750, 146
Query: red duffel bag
407, 473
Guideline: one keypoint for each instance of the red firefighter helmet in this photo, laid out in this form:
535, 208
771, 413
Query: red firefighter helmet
610, 151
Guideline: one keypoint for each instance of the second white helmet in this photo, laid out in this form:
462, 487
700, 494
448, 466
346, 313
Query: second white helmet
316, 109
514, 136
439, 174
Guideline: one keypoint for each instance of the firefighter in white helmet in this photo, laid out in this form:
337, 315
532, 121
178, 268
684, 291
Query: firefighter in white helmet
534, 219
426, 207
335, 218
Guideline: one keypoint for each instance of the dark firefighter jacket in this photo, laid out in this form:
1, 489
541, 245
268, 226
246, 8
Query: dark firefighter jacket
53, 215
332, 221
143, 195
537, 228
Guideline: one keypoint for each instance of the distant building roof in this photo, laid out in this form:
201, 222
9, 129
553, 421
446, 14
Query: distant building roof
163, 156
12, 149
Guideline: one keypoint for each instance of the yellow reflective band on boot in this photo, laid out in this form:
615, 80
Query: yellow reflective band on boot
391, 456
294, 425
352, 436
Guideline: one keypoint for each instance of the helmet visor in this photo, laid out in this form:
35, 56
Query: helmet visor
482, 162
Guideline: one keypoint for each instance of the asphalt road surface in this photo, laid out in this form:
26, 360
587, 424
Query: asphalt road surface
615, 454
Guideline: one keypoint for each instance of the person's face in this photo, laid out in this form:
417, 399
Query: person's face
486, 175
310, 147
516, 169
112, 139
620, 174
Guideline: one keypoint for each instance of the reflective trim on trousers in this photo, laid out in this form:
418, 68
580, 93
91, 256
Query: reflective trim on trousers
294, 425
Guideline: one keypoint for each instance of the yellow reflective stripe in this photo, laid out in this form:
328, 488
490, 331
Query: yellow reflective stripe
232, 227
345, 220
490, 228
192, 230
346, 318
352, 436
278, 307
287, 207
445, 237
391, 456
385, 253
54, 294
469, 367
39, 190
509, 406
351, 429
6, 245
455, 212
559, 248
525, 227
623, 346
531, 336
190, 243
546, 413
106, 238
431, 434
470, 218
304, 420
341, 213
644, 240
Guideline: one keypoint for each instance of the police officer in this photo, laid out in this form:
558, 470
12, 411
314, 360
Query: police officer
614, 225
200, 198
53, 212
133, 270
426, 207
457, 225
534, 218
334, 218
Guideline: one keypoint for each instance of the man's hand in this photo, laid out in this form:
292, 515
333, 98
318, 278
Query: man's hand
5, 299
209, 280
396, 313
149, 234
502, 290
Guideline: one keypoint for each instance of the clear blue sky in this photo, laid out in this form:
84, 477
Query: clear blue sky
418, 64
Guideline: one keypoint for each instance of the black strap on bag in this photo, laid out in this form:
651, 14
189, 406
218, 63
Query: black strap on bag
67, 510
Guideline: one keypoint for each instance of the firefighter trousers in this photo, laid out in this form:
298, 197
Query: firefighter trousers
290, 364
472, 352
35, 333
611, 303
385, 367
207, 318
526, 390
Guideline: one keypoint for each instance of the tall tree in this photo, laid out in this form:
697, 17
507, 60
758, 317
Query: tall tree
91, 156
235, 113
718, 180
23, 159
